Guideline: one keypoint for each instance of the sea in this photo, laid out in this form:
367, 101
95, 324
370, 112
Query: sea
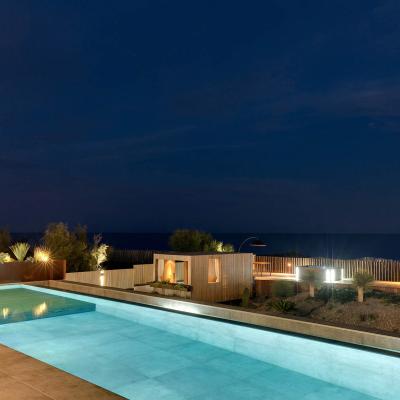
285, 244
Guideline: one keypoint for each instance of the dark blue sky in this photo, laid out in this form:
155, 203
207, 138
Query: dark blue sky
273, 116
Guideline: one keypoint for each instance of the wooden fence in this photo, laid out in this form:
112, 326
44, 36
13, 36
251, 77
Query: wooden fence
381, 269
117, 278
143, 273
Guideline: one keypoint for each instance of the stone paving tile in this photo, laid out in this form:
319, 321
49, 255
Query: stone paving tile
22, 377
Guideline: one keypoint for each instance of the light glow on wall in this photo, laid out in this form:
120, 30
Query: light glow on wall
102, 277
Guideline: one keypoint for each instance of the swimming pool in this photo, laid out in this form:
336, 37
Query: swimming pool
146, 353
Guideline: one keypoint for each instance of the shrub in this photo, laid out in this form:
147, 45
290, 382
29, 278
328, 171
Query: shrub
392, 298
183, 287
245, 297
4, 258
99, 251
20, 250
325, 293
70, 246
58, 239
283, 305
378, 294
342, 295
168, 285
362, 280
188, 240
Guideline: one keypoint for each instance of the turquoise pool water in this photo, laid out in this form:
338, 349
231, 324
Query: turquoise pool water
21, 304
143, 353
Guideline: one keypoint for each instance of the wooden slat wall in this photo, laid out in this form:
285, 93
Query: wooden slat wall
118, 278
236, 274
143, 273
381, 269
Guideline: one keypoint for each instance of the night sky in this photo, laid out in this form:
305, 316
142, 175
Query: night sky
265, 116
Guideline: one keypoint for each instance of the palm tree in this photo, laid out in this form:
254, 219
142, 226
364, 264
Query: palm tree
362, 280
313, 278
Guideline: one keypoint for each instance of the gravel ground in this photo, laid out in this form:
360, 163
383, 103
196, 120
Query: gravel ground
372, 313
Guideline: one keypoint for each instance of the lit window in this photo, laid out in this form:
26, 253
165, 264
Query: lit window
214, 269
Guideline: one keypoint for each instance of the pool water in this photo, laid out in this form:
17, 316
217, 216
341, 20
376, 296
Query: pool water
140, 361
21, 304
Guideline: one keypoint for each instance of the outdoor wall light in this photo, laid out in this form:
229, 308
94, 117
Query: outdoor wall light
330, 275
102, 277
334, 275
42, 255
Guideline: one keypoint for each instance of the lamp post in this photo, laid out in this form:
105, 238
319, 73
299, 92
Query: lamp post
255, 243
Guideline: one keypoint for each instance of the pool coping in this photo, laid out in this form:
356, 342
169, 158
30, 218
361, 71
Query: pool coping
22, 376
345, 336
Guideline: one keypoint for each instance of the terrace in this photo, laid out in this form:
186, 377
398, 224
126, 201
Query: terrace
213, 278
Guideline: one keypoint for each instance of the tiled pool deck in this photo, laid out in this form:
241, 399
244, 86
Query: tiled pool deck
23, 377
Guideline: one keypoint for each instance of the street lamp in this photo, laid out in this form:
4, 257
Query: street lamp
255, 243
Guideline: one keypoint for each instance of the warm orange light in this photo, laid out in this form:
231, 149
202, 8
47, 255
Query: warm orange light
169, 271
42, 255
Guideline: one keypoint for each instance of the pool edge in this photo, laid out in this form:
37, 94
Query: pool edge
367, 341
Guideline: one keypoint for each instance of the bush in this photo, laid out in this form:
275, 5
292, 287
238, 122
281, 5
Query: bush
378, 294
362, 279
283, 288
187, 240
283, 305
342, 295
325, 293
70, 246
168, 285
4, 258
20, 250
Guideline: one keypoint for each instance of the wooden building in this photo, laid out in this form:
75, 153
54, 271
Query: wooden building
213, 276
